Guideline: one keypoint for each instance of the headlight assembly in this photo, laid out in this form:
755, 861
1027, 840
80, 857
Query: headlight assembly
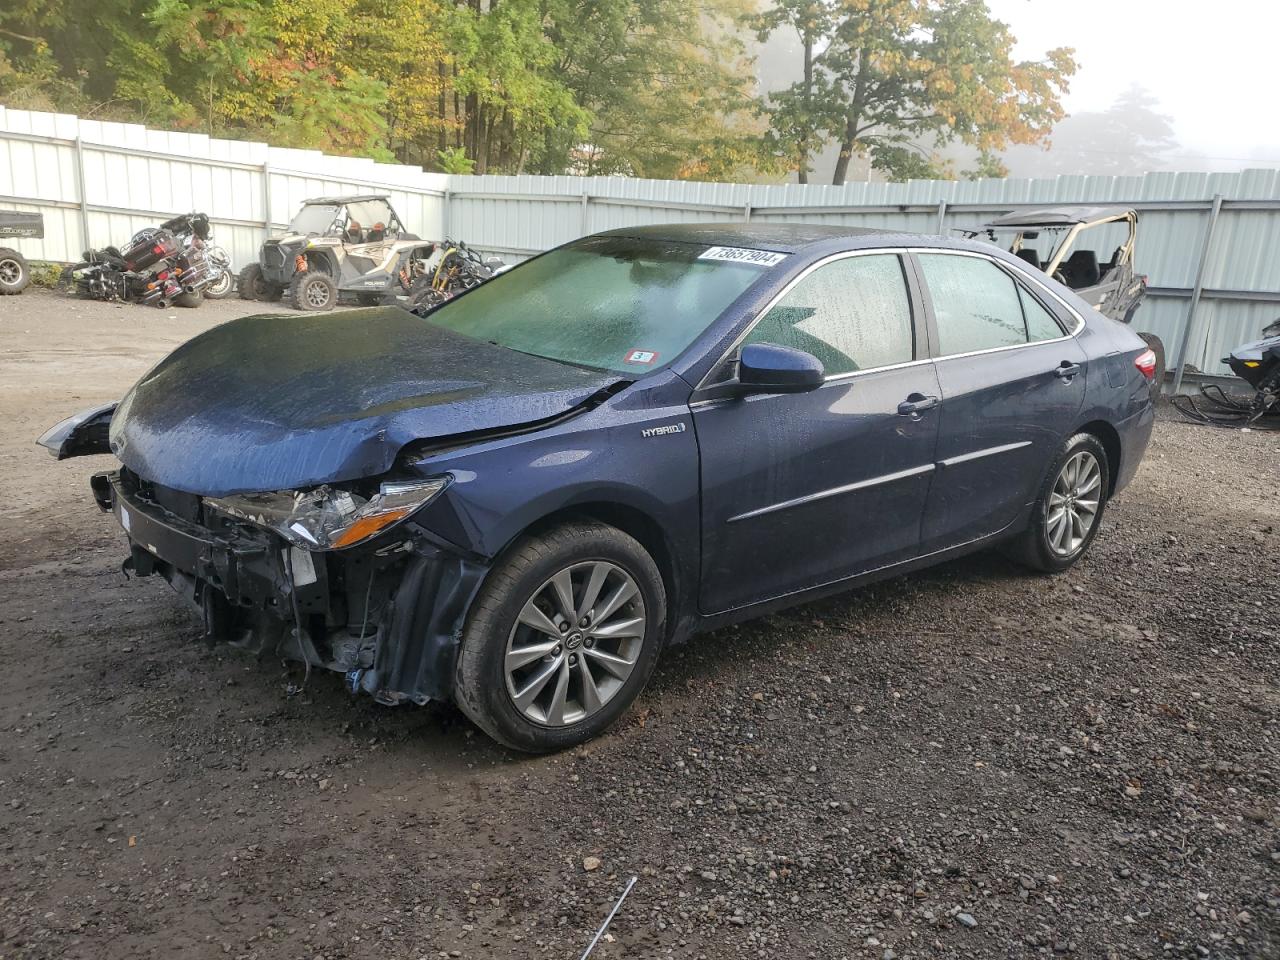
327, 518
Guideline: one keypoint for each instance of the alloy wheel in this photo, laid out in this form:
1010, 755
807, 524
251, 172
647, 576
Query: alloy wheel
1073, 504
317, 296
10, 271
575, 643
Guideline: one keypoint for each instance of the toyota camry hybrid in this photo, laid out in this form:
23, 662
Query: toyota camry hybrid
519, 500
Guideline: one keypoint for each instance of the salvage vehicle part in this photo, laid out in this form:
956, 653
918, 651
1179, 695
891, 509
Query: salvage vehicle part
358, 243
221, 277
1257, 363
15, 273
519, 499
1069, 243
458, 270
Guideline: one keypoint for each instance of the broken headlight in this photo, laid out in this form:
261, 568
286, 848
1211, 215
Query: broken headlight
329, 518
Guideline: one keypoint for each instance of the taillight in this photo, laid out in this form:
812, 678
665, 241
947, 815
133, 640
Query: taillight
157, 249
1146, 362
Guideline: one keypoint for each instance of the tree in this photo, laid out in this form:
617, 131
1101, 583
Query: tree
897, 73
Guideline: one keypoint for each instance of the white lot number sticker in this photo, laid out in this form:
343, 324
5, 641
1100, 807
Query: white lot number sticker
757, 258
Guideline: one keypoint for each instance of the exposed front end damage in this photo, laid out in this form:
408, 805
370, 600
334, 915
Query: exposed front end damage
388, 614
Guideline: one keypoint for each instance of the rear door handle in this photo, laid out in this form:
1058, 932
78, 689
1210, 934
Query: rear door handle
915, 404
1066, 370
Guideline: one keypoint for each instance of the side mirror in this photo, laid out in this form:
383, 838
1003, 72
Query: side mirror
769, 368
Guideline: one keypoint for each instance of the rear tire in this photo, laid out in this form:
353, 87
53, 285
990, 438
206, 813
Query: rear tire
312, 290
585, 693
1052, 543
185, 299
15, 274
1156, 346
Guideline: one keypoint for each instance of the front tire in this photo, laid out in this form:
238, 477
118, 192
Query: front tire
312, 290
15, 274
252, 286
220, 289
562, 637
1069, 510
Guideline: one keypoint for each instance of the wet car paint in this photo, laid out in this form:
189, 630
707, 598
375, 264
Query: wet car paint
689, 469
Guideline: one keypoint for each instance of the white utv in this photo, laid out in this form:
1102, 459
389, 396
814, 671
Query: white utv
338, 245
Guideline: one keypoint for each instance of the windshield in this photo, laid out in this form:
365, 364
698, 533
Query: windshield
314, 218
609, 303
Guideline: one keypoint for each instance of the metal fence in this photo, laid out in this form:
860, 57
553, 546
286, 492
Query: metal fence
1210, 243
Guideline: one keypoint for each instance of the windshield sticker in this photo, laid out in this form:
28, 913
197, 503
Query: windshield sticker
757, 258
642, 357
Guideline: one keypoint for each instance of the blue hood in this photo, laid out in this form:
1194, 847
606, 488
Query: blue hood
281, 402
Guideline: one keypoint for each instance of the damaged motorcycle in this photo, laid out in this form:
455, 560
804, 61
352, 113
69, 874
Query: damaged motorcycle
169, 264
459, 269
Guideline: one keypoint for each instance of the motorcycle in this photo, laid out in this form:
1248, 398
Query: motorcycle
460, 268
168, 264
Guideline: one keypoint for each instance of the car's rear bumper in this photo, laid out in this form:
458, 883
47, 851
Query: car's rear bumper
388, 617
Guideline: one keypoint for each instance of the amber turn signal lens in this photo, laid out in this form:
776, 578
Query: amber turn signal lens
366, 527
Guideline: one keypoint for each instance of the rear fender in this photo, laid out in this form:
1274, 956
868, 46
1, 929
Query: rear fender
81, 434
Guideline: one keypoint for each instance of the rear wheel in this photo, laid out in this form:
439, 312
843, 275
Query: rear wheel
313, 290
185, 299
562, 637
15, 275
1069, 509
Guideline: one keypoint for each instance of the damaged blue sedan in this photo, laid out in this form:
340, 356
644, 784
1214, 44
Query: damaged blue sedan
519, 500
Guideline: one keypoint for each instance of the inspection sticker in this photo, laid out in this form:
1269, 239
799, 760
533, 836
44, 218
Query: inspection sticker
645, 357
757, 258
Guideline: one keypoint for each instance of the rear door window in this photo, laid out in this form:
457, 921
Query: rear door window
852, 314
976, 304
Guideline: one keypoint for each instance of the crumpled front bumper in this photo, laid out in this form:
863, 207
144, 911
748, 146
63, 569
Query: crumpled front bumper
389, 616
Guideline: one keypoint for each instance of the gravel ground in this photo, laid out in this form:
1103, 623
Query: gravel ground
969, 762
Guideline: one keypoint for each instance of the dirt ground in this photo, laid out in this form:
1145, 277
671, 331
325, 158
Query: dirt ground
969, 762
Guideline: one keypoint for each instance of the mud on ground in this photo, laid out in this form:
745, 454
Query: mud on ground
969, 762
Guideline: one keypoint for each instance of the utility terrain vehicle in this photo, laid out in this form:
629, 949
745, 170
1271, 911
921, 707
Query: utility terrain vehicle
1089, 249
15, 275
335, 245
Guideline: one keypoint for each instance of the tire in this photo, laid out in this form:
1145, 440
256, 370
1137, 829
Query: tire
1036, 546
251, 284
185, 299
312, 290
1156, 346
484, 689
221, 289
15, 274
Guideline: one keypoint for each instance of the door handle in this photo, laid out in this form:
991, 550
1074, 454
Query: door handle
915, 404
1066, 370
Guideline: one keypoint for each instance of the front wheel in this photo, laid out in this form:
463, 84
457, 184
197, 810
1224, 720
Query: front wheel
313, 290
220, 289
1069, 509
562, 637
252, 284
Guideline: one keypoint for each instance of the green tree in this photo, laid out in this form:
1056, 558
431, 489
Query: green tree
898, 73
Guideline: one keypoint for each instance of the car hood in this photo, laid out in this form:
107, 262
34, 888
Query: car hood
281, 402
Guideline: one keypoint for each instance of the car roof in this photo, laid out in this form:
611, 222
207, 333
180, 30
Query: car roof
778, 237
352, 199
1058, 216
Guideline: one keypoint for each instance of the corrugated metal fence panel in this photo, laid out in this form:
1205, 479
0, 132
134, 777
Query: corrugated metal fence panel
134, 176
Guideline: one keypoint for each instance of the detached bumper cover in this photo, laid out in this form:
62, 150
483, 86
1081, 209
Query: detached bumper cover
389, 616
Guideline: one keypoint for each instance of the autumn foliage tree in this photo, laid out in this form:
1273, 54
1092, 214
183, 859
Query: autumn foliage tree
893, 80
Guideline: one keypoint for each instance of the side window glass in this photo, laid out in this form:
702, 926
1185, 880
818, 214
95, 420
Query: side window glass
975, 302
1041, 324
852, 314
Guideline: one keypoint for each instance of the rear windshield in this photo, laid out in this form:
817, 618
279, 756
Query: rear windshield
609, 303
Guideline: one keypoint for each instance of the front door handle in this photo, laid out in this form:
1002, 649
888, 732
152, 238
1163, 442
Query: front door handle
1066, 370
915, 404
